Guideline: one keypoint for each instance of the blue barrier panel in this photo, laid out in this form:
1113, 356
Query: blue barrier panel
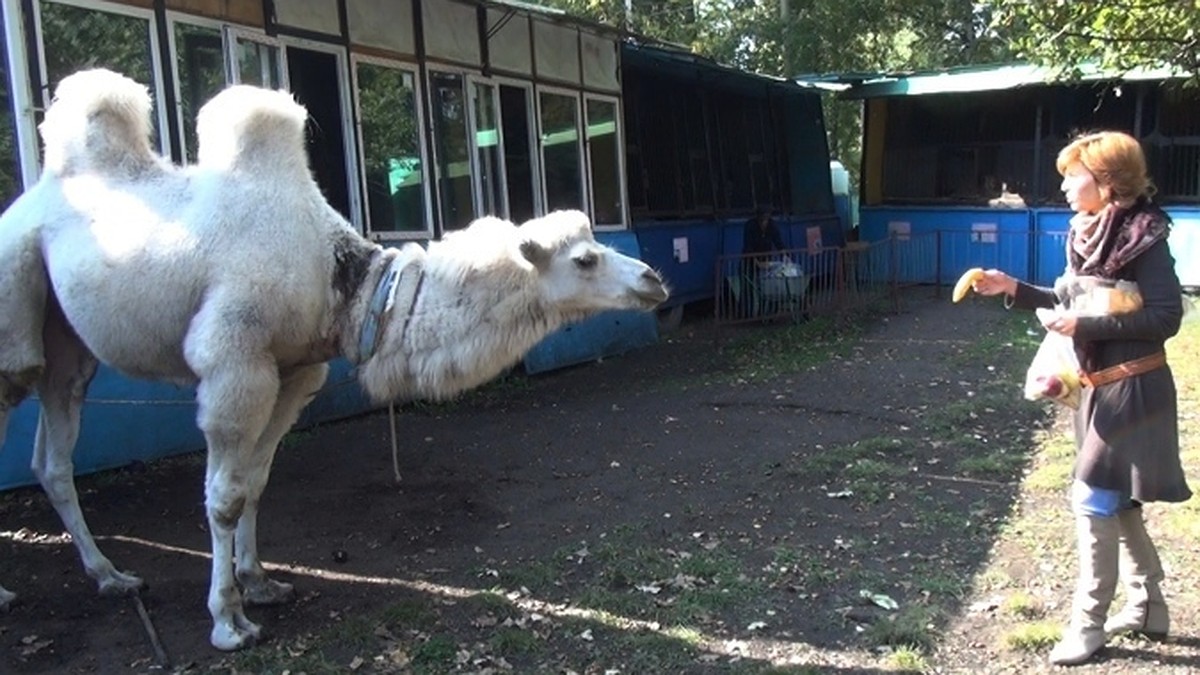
1050, 247
686, 251
969, 237
1039, 257
602, 335
1185, 244
123, 421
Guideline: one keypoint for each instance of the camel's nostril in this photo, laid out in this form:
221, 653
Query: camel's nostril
651, 275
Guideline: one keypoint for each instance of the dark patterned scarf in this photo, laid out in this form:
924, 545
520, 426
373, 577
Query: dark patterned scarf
1103, 243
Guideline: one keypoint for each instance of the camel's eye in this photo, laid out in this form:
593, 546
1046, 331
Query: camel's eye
587, 261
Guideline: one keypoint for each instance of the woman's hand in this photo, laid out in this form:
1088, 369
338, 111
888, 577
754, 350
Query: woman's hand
1060, 322
995, 282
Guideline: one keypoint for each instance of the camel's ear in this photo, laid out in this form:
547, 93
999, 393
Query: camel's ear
539, 256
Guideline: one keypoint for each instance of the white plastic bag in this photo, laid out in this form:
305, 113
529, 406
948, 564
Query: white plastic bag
1054, 373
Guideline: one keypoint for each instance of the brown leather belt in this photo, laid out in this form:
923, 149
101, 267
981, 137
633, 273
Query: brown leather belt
1122, 370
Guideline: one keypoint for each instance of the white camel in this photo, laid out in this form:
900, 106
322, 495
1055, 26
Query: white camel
236, 276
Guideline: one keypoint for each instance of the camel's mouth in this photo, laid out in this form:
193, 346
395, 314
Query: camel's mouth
649, 298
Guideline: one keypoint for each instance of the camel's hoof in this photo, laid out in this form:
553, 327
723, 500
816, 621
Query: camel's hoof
229, 637
120, 583
267, 592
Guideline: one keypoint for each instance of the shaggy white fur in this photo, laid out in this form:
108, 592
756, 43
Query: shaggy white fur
235, 275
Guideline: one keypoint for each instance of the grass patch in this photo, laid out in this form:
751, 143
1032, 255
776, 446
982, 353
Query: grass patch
1023, 605
1051, 474
995, 465
1033, 637
511, 641
910, 628
650, 652
434, 655
908, 659
793, 348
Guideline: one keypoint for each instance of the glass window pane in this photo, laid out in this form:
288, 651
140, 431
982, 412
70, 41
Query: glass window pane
605, 166
561, 151
453, 150
487, 142
391, 138
10, 168
200, 60
258, 64
76, 39
518, 159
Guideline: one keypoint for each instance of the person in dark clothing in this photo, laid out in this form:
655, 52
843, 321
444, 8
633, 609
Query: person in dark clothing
760, 240
761, 235
1126, 426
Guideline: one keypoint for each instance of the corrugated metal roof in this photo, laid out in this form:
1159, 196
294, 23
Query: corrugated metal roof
963, 79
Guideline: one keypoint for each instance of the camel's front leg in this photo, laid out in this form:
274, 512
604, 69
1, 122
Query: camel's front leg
235, 402
296, 391
69, 369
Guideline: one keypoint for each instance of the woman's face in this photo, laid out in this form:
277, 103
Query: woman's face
1081, 190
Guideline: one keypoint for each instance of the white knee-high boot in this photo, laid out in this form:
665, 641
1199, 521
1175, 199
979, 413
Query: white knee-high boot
1145, 608
1097, 539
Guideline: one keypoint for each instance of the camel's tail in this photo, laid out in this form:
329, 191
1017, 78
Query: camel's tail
98, 122
252, 129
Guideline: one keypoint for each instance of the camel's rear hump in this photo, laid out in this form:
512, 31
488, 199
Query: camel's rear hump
250, 129
98, 122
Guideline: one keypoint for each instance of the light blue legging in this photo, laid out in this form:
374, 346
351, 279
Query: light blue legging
1098, 502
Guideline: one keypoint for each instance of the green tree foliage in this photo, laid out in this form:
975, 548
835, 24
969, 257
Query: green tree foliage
1114, 35
788, 38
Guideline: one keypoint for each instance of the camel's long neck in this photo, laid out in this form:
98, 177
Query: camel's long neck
465, 329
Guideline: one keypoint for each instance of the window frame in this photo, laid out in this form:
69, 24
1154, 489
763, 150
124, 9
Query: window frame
589, 178
430, 70
472, 81
426, 232
540, 89
173, 18
156, 87
535, 156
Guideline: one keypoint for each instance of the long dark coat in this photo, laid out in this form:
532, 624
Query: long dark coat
1127, 432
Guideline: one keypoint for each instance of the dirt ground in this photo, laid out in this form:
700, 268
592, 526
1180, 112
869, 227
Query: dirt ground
661, 440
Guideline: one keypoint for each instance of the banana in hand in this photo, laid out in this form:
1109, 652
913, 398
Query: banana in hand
965, 282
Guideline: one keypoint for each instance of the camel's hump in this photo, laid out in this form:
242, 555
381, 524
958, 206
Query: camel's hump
98, 119
249, 126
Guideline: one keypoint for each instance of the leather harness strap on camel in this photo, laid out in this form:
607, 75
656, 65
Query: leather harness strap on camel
397, 287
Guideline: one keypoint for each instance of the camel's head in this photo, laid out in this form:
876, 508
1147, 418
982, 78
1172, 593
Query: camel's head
580, 276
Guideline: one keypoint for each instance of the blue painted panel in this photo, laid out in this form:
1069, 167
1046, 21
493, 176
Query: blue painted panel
1185, 245
690, 279
342, 396
948, 239
127, 420
707, 240
1050, 248
1042, 256
602, 335
124, 420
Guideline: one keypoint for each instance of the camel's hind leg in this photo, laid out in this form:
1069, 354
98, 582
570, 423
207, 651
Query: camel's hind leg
23, 293
69, 369
13, 389
296, 391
